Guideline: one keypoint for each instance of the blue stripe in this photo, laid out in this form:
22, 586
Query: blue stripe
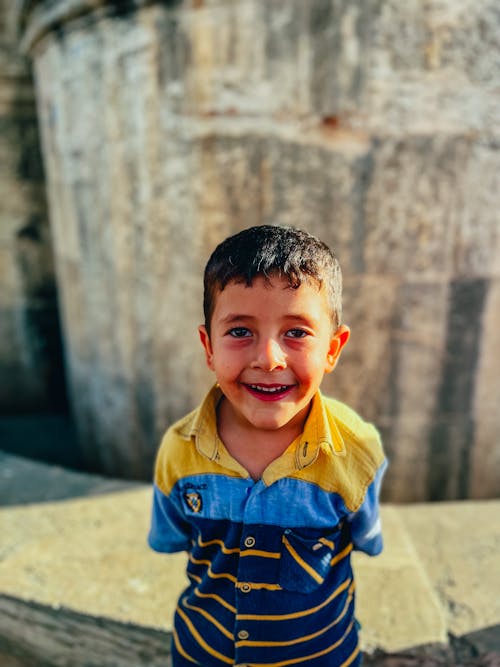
245, 501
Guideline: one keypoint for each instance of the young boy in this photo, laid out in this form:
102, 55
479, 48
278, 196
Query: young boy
268, 484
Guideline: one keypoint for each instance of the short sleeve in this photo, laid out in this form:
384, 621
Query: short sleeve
169, 531
365, 524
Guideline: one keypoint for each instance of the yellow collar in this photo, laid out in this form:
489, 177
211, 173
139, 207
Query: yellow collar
319, 431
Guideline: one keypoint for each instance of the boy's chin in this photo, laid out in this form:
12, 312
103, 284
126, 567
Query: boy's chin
277, 422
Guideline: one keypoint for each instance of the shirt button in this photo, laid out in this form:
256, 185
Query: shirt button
243, 634
245, 588
250, 542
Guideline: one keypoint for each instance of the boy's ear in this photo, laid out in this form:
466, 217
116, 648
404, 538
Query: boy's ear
207, 345
337, 342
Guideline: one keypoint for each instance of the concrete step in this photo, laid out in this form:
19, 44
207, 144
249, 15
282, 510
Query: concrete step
396, 602
79, 586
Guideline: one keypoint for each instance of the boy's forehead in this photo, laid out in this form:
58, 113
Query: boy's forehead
269, 283
242, 295
272, 281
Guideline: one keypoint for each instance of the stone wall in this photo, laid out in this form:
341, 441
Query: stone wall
167, 126
31, 377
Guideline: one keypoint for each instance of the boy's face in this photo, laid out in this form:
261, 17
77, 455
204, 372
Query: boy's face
270, 346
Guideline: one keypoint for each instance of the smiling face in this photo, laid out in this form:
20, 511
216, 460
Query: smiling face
270, 346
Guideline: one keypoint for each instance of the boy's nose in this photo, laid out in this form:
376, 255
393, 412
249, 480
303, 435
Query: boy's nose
269, 356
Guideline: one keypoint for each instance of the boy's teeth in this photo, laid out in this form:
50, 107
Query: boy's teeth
270, 390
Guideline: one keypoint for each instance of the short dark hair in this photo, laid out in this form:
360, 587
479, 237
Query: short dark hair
273, 250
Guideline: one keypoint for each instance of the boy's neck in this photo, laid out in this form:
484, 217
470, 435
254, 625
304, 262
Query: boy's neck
254, 448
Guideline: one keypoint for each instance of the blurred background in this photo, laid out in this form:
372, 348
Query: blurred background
135, 135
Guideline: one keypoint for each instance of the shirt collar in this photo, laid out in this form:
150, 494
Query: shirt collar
320, 431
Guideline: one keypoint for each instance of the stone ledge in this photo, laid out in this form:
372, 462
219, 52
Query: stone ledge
396, 603
80, 570
36, 635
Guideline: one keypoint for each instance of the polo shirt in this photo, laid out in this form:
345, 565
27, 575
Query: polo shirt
269, 566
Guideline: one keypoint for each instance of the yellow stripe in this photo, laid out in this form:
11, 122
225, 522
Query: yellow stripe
313, 656
296, 614
310, 570
209, 618
181, 650
300, 640
261, 554
221, 575
210, 572
352, 657
328, 543
223, 547
345, 552
196, 635
217, 598
257, 586
199, 561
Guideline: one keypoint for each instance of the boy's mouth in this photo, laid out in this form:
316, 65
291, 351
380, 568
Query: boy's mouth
268, 392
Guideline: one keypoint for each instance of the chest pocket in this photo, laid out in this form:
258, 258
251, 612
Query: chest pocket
305, 561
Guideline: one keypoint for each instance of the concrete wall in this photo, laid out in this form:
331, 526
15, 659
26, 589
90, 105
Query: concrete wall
167, 126
31, 377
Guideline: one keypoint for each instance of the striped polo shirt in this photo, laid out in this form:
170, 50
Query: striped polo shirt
269, 560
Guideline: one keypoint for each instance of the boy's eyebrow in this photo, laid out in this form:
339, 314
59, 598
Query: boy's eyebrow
235, 317
230, 318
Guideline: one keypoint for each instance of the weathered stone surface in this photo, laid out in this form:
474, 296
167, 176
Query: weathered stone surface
458, 546
485, 457
167, 126
47, 483
30, 355
100, 542
79, 586
35, 635
397, 606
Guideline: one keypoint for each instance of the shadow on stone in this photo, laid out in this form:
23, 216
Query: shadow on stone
35, 635
46, 437
476, 649
24, 481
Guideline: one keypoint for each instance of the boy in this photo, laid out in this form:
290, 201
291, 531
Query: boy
269, 485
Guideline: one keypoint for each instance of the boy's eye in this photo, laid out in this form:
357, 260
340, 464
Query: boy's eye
296, 333
239, 332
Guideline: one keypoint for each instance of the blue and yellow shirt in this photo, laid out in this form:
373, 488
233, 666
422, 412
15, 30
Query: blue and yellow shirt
269, 561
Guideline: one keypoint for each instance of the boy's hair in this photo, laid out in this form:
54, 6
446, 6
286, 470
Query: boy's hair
271, 250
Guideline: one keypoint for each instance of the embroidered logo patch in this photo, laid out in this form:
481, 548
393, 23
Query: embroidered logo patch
194, 501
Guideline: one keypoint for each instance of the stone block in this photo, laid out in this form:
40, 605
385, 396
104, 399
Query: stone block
409, 228
340, 32
29, 352
457, 544
430, 69
397, 606
34, 634
485, 453
167, 127
233, 55
406, 445
474, 209
49, 482
51, 551
82, 567
419, 347
364, 374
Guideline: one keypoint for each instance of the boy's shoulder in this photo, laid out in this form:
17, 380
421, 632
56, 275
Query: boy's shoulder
350, 453
353, 426
179, 454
